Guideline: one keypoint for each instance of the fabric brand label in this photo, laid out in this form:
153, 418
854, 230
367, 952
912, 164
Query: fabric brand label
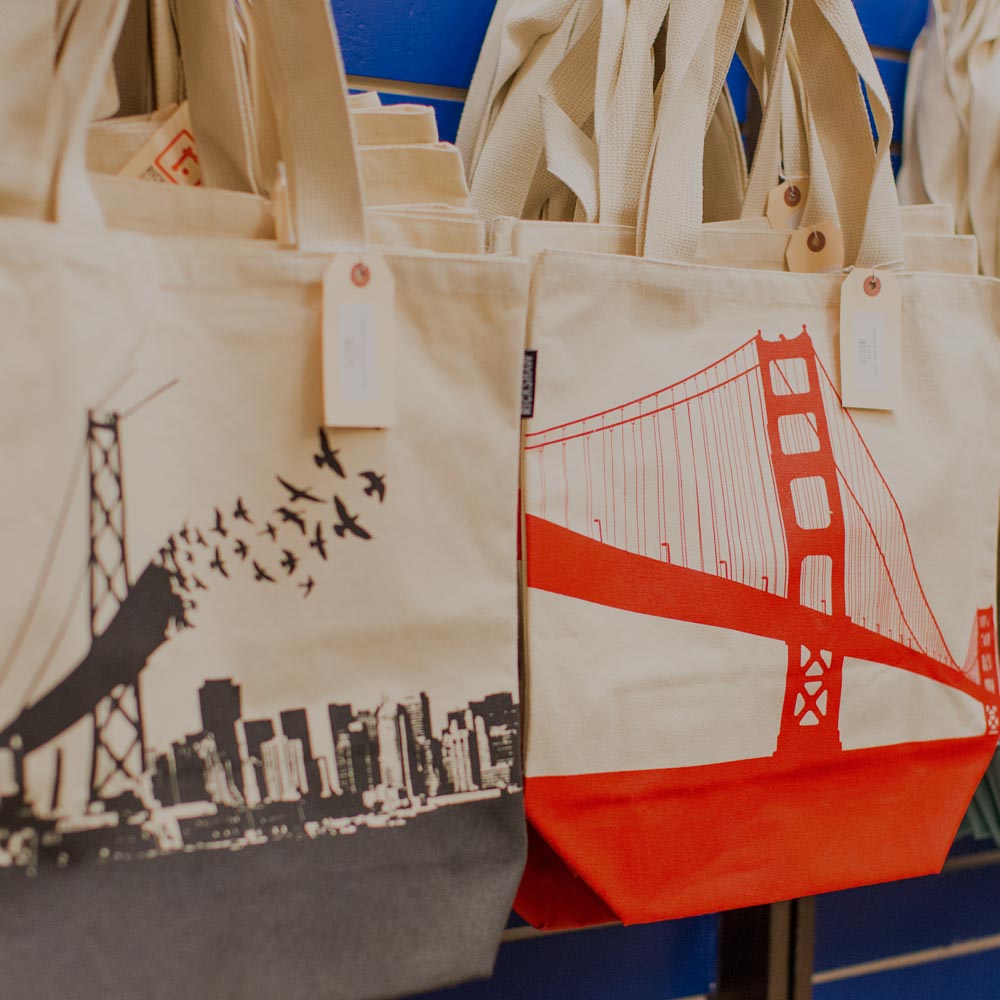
528, 384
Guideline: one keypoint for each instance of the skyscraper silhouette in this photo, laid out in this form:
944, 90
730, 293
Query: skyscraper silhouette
295, 725
220, 711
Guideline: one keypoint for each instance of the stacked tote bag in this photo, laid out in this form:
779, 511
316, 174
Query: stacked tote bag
952, 156
951, 138
414, 189
260, 719
759, 626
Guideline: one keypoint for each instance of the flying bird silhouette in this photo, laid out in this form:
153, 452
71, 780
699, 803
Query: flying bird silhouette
290, 562
308, 586
185, 534
376, 484
262, 574
198, 585
295, 494
218, 564
241, 549
182, 581
172, 544
348, 523
319, 542
270, 529
241, 513
200, 539
292, 517
190, 556
219, 528
327, 457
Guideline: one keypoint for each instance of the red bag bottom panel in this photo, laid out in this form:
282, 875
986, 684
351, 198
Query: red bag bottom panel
657, 844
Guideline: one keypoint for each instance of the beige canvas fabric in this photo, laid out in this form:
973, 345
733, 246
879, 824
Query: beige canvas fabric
113, 142
396, 125
931, 220
416, 596
728, 246
154, 209
426, 172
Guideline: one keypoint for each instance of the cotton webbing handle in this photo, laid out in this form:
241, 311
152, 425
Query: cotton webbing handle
482, 89
834, 54
305, 75
27, 55
217, 85
701, 40
606, 169
507, 167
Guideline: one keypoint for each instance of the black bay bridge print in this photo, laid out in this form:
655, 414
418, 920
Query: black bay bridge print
237, 781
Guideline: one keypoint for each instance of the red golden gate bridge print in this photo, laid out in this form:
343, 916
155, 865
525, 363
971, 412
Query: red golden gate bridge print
745, 497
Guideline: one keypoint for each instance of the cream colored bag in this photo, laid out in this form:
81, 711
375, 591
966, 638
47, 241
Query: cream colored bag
951, 150
290, 685
779, 624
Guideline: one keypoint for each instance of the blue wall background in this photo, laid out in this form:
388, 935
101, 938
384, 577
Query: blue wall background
936, 938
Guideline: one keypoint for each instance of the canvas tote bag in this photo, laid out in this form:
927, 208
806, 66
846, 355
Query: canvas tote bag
274, 750
750, 633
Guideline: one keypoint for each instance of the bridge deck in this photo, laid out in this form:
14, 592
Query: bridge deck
566, 562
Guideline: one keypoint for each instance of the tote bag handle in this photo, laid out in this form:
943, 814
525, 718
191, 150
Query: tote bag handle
28, 47
307, 83
505, 179
606, 171
219, 101
834, 54
305, 73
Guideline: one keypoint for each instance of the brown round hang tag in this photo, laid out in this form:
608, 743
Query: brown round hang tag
816, 241
360, 274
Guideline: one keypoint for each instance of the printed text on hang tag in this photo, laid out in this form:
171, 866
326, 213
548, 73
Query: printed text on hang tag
871, 367
358, 346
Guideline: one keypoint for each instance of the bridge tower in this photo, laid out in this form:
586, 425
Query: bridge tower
119, 750
986, 657
805, 473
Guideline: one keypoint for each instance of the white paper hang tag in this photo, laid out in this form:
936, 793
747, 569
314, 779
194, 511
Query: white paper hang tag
170, 155
786, 203
871, 355
816, 249
359, 342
